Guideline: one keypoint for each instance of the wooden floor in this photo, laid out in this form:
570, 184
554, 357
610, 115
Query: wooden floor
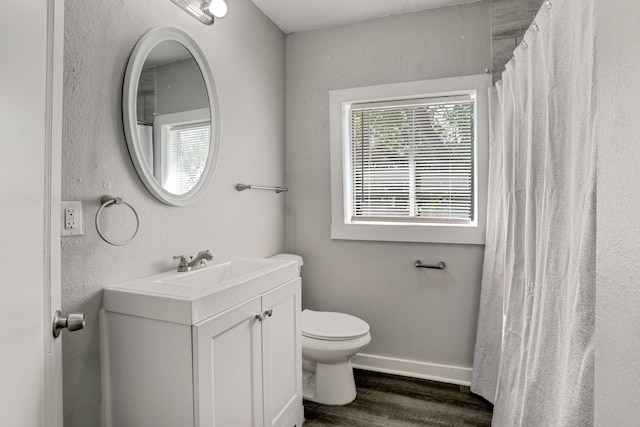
392, 401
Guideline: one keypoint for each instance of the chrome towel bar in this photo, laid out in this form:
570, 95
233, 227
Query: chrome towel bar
242, 187
440, 266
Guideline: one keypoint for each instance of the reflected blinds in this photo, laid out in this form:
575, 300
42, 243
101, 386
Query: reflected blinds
412, 160
188, 152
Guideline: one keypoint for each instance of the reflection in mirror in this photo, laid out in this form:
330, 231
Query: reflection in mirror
173, 117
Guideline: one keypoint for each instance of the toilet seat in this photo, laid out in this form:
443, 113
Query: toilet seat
330, 326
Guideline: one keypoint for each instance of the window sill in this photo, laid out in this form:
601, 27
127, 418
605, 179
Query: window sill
416, 233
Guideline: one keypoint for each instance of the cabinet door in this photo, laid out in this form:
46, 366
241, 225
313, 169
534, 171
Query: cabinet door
282, 354
227, 368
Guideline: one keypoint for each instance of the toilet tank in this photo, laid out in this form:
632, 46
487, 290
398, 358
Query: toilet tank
291, 257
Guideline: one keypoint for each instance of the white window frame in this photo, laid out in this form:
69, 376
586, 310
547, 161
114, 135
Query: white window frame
342, 227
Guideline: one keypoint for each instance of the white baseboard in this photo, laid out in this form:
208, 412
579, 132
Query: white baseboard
412, 368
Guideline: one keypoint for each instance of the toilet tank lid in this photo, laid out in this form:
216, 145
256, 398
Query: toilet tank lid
290, 257
326, 325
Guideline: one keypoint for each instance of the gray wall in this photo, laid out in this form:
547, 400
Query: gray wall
179, 87
246, 54
617, 382
510, 19
423, 315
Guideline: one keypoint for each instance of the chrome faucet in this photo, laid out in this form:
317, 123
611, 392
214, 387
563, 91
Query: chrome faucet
198, 262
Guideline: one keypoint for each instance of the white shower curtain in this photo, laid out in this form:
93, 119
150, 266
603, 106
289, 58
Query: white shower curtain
534, 355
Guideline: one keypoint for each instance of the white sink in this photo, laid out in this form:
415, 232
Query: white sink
220, 274
191, 297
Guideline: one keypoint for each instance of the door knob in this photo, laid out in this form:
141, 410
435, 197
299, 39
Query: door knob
73, 322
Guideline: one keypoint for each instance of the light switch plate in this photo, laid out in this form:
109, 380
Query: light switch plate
71, 219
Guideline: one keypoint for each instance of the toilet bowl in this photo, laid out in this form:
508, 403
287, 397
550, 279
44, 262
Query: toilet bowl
329, 341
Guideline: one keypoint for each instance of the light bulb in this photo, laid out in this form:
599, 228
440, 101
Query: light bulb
218, 8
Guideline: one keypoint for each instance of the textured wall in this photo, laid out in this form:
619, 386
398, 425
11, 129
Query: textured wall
246, 54
510, 19
182, 87
423, 315
618, 247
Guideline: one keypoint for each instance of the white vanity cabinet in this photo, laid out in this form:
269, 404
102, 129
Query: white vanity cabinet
247, 371
232, 366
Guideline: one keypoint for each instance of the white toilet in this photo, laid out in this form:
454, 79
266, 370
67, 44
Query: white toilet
329, 341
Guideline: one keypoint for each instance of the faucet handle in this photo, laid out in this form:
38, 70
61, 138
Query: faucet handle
183, 265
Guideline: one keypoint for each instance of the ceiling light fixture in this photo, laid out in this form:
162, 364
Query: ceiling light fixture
203, 10
217, 8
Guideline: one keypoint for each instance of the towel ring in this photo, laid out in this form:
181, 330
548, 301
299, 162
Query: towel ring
106, 202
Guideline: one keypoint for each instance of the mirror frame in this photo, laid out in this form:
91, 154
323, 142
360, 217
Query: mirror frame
129, 114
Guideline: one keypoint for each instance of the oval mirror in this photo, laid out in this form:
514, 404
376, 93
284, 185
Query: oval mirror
171, 116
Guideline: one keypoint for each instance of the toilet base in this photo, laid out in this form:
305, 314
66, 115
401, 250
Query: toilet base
330, 384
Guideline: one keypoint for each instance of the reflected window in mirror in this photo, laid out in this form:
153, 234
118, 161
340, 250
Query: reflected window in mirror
185, 147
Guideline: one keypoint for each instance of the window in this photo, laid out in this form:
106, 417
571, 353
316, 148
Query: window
187, 156
412, 160
409, 161
184, 140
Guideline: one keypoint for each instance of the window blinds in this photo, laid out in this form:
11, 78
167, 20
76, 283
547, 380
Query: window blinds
412, 161
188, 152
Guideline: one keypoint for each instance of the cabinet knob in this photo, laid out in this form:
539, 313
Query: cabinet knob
262, 316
